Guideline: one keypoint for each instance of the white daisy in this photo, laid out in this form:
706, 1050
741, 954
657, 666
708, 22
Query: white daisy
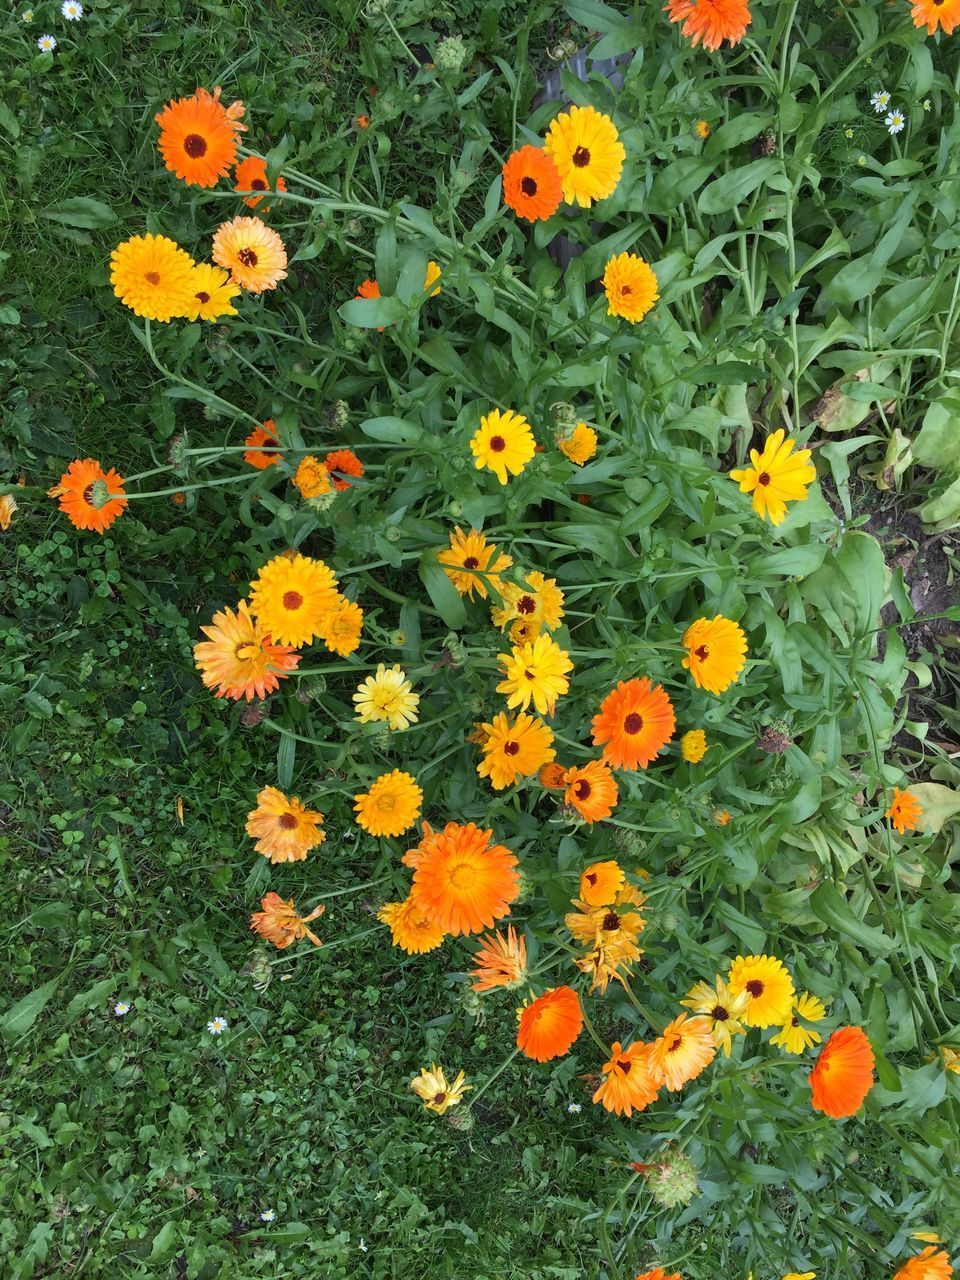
880, 101
895, 121
362, 1246
927, 104
27, 15
574, 1108
120, 1008
72, 10
46, 44
267, 1215
217, 1026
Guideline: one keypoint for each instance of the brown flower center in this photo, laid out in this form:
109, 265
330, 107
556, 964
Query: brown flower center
531, 675
611, 921
195, 146
440, 1097
582, 789
292, 600
795, 1022
718, 1013
763, 477
497, 444
258, 184
511, 748
632, 723
471, 562
591, 877
526, 604
288, 821
624, 1064
528, 186
677, 1042
625, 289
88, 495
247, 257
703, 653
755, 987
581, 157
152, 277
202, 296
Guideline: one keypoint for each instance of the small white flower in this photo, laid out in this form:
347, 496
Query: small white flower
217, 1026
72, 10
895, 122
285, 977
927, 104
46, 44
861, 160
362, 1246
880, 101
574, 1108
27, 15
120, 1008
848, 133
267, 1215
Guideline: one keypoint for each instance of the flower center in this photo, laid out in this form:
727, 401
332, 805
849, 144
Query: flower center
462, 875
292, 600
755, 987
625, 289
677, 1042
152, 277
531, 675
581, 157
718, 1013
511, 748
194, 145
258, 184
703, 653
582, 789
611, 921
440, 1097
247, 257
632, 723
528, 186
763, 477
591, 878
202, 296
795, 1022
624, 1064
497, 444
526, 604
386, 804
471, 562
288, 821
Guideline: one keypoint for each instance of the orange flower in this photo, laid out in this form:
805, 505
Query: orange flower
636, 722
932, 14
842, 1075
342, 627
905, 811
711, 21
630, 1079
658, 1273
343, 462
591, 790
551, 776
531, 184
684, 1049
716, 652
251, 175
369, 289
601, 883
279, 923
267, 434
312, 479
284, 829
412, 931
500, 961
550, 1024
239, 660
931, 1264
89, 497
362, 122
512, 751
462, 881
198, 137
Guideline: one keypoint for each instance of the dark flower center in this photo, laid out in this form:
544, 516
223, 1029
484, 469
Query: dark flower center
531, 675
440, 1097
288, 821
247, 257
755, 987
88, 495
718, 1013
497, 444
633, 723
528, 186
292, 599
471, 562
152, 277
194, 145
511, 748
624, 1064
258, 184
625, 289
763, 477
703, 653
795, 1022
581, 157
677, 1042
611, 921
591, 877
582, 789
202, 296
526, 604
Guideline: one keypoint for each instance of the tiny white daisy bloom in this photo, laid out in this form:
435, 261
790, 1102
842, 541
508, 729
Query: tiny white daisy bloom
267, 1215
574, 1108
880, 101
120, 1008
848, 133
362, 1246
927, 104
27, 15
72, 10
895, 122
46, 44
217, 1026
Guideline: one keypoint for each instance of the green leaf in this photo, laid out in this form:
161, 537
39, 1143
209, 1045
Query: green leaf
92, 997
21, 1017
441, 591
372, 313
392, 430
82, 211
163, 1242
833, 910
942, 512
939, 804
731, 189
938, 442
286, 758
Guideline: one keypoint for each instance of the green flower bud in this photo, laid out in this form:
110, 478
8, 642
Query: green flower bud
451, 54
673, 1180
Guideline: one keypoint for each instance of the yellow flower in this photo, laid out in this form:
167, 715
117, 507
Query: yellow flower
630, 286
777, 476
537, 603
721, 817
432, 276
8, 505
535, 672
411, 930
388, 696
503, 443
153, 276
716, 653
610, 930
578, 444
723, 1011
586, 148
793, 1037
685, 1048
252, 252
693, 746
291, 598
800, 1275
391, 806
283, 828
951, 1062
312, 478
516, 750
702, 129
472, 562
213, 292
768, 987
600, 883
434, 1091
342, 627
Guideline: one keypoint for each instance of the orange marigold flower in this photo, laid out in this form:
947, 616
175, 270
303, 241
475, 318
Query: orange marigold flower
252, 252
592, 790
312, 478
933, 14
684, 1049
279, 923
630, 286
579, 444
412, 929
340, 463
550, 1024
369, 289
636, 722
391, 806
500, 961
462, 881
600, 883
265, 435
551, 777
362, 122
238, 659
931, 1264
8, 505
88, 496
531, 184
711, 21
284, 829
842, 1075
905, 811
631, 1081
251, 175
512, 751
198, 137
716, 652
471, 562
658, 1273
341, 628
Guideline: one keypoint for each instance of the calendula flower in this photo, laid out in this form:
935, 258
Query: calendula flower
252, 252
895, 121
238, 659
591, 789
630, 1079
284, 829
434, 1091
46, 43
88, 496
265, 435
463, 881
8, 505
550, 1024
153, 276
716, 653
432, 275
341, 463
213, 292
311, 478
630, 286
579, 443
613, 923
587, 151
794, 1037
388, 697
500, 961
471, 563
684, 1049
711, 21
535, 672
600, 883
251, 175
931, 1264
800, 1275
933, 14
361, 122
702, 129
391, 805
880, 101
551, 776
412, 929
198, 137
776, 476
658, 1273
279, 923
342, 627
721, 817
723, 1010
693, 746
514, 750
905, 811
531, 184
635, 722
291, 597
503, 443
530, 606
842, 1075
950, 1056
768, 987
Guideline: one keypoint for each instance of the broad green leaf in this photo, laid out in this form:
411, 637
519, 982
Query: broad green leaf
82, 211
731, 189
372, 313
20, 1017
93, 996
163, 1242
939, 803
392, 430
938, 442
833, 910
441, 590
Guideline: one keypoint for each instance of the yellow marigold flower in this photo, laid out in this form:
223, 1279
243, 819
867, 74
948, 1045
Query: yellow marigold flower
800, 1275
721, 817
500, 961
391, 806
630, 286
905, 811
252, 252
776, 476
768, 987
291, 598
387, 696
793, 1037
951, 1062
341, 628
213, 293
8, 505
723, 1011
279, 923
608, 962
312, 478
153, 276
702, 129
600, 883
431, 278
716, 653
578, 444
503, 443
472, 562
610, 931
536, 603
239, 659
693, 746
434, 1091
512, 751
586, 148
411, 929
284, 829
686, 1047
536, 673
